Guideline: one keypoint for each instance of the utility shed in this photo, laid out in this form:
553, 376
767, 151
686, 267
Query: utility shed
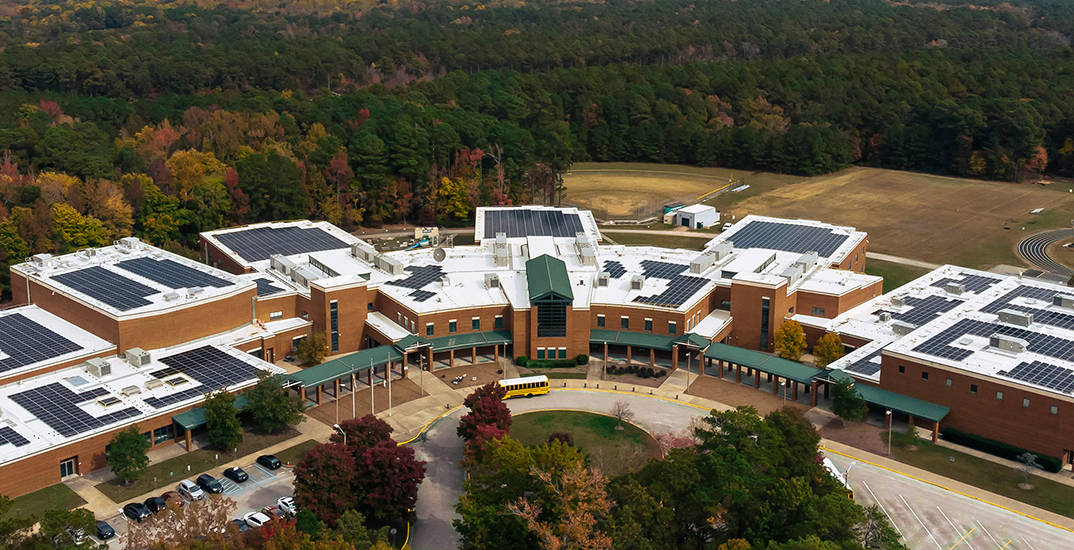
697, 216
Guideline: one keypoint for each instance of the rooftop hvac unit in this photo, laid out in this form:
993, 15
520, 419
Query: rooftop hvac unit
153, 383
130, 390
1063, 300
171, 296
885, 316
637, 282
902, 328
722, 250
137, 357
501, 250
954, 288
391, 265
90, 252
492, 280
1007, 343
807, 260
587, 255
41, 260
363, 251
602, 278
194, 291
701, 262
1015, 317
898, 301
792, 273
131, 243
300, 278
445, 280
98, 367
281, 264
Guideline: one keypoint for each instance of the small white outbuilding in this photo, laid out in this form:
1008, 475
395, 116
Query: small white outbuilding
697, 216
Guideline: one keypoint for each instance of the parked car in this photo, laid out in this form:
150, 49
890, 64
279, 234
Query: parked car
241, 524
288, 505
74, 535
269, 461
236, 474
209, 484
275, 512
105, 531
726, 226
136, 511
256, 519
173, 496
156, 504
190, 490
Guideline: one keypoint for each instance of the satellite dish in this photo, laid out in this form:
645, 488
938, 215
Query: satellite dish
439, 254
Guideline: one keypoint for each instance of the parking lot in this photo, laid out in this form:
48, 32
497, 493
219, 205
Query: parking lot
262, 489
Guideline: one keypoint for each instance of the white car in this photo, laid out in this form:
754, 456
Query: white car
287, 504
190, 490
256, 519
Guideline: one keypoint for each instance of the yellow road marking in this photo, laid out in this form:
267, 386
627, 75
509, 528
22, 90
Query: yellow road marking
1005, 544
430, 423
962, 539
718, 189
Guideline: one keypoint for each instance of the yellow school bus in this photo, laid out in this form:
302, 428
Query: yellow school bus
525, 387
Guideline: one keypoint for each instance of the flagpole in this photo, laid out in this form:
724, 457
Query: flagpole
372, 375
388, 373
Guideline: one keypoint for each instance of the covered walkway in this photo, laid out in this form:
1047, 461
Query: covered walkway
780, 372
897, 403
644, 347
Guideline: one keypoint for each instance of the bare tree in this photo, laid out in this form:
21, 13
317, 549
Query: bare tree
1029, 463
622, 412
581, 495
207, 520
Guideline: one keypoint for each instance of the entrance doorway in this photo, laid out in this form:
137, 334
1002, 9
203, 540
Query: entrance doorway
68, 467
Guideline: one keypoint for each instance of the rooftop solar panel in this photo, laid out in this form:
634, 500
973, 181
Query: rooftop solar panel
925, 309
969, 282
211, 367
266, 288
662, 270
615, 269
26, 342
868, 365
680, 288
418, 276
262, 242
1044, 344
531, 223
1021, 291
171, 273
177, 397
421, 295
57, 406
108, 287
1053, 377
788, 237
9, 435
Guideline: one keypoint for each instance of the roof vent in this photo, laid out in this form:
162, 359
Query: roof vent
98, 367
89, 252
1007, 343
171, 296
902, 328
898, 301
194, 291
41, 260
153, 383
130, 243
885, 316
130, 390
1063, 300
492, 280
637, 282
137, 357
602, 278
954, 288
1014, 317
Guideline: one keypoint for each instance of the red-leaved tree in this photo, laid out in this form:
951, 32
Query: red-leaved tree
386, 482
363, 432
324, 481
486, 407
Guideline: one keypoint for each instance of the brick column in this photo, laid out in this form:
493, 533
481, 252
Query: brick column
652, 357
813, 393
628, 350
756, 379
336, 382
319, 386
910, 425
935, 431
794, 391
473, 355
451, 359
719, 367
738, 373
674, 356
775, 384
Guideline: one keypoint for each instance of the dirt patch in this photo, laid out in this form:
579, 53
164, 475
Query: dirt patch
402, 391
856, 434
474, 375
734, 394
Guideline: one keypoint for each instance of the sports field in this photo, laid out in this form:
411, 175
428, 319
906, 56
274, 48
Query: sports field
921, 216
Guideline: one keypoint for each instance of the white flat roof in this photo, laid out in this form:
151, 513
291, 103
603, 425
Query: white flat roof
697, 209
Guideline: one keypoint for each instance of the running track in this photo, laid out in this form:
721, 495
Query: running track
1034, 249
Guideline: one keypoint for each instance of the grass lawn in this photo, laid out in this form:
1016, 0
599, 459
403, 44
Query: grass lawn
665, 241
613, 451
999, 479
294, 454
169, 472
895, 275
35, 504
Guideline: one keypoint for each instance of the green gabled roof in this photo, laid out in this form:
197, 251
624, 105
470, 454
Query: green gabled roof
547, 275
762, 361
343, 366
894, 401
693, 340
469, 340
195, 418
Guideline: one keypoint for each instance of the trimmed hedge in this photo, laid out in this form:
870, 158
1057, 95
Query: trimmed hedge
521, 360
581, 359
550, 363
998, 448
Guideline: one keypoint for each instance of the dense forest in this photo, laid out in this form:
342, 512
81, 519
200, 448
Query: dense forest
163, 119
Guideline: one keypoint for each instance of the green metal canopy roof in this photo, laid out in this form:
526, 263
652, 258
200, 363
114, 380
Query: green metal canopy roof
894, 401
547, 275
344, 366
195, 418
627, 338
792, 370
469, 340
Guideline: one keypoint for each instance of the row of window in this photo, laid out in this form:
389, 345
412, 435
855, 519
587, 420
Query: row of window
551, 353
973, 389
453, 325
624, 324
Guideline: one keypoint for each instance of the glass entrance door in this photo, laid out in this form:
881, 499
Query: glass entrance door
67, 467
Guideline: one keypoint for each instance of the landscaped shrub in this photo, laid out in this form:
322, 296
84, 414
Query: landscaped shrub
521, 360
550, 363
612, 369
661, 373
562, 437
581, 359
999, 448
632, 368
643, 372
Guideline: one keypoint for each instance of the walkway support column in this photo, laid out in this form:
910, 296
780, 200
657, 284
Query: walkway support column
473, 355
189, 441
451, 359
910, 425
319, 386
794, 391
337, 389
813, 393
756, 379
775, 384
652, 357
628, 350
605, 355
674, 356
738, 373
935, 431
719, 367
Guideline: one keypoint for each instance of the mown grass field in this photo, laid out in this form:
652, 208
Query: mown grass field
895, 275
665, 241
613, 451
53, 497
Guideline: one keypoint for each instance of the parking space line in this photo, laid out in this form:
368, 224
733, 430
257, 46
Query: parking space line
957, 530
1027, 543
981, 525
923, 526
974, 528
882, 508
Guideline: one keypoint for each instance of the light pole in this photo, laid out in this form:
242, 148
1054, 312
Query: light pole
388, 373
783, 390
888, 415
846, 474
341, 432
687, 388
421, 373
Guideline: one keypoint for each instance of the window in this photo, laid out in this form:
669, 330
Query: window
902, 369
540, 353
413, 326
452, 326
1054, 409
817, 311
369, 306
600, 321
429, 330
671, 328
1025, 403
648, 325
948, 383
333, 318
160, 435
999, 396
475, 323
924, 375
275, 315
295, 342
973, 388
552, 317
624, 323
562, 353
790, 309
398, 318
497, 323
764, 322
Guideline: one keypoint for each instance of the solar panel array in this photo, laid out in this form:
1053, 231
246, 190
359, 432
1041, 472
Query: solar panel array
262, 242
266, 288
420, 275
680, 288
1044, 344
26, 342
662, 270
1003, 302
108, 287
788, 237
421, 295
615, 269
171, 273
531, 223
177, 397
970, 283
8, 435
925, 309
1042, 374
866, 365
212, 367
57, 406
